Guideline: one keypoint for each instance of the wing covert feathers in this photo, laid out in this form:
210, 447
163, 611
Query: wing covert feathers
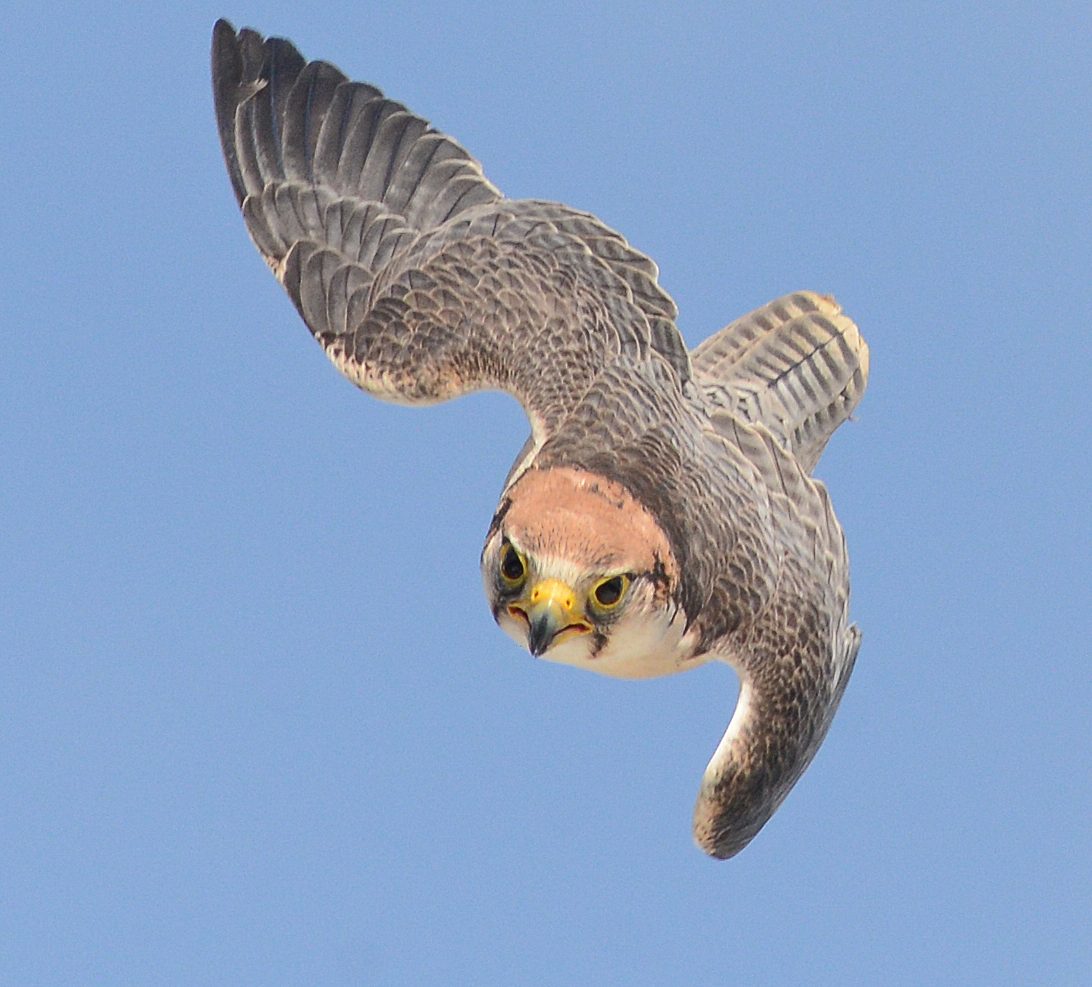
797, 365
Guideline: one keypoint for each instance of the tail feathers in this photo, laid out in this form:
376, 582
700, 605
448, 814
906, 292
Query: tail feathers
797, 365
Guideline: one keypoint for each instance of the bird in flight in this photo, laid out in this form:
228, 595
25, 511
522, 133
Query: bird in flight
662, 513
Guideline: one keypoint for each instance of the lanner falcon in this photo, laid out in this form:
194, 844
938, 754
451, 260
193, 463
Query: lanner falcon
662, 513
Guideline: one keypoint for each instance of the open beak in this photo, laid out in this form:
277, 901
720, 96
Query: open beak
550, 611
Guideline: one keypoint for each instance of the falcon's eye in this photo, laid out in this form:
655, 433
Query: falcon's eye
608, 593
513, 569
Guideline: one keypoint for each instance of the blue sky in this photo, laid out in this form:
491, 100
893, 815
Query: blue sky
256, 723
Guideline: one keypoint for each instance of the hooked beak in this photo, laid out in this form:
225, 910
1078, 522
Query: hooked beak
550, 611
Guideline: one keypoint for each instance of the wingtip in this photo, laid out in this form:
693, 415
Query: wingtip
224, 40
707, 843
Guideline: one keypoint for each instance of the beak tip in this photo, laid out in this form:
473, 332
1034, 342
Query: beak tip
540, 634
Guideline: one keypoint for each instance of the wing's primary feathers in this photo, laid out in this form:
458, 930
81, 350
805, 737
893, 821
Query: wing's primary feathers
286, 123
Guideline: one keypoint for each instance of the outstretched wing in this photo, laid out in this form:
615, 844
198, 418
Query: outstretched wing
419, 279
797, 365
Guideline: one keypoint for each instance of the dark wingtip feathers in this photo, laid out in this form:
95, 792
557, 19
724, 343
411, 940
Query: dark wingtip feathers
244, 63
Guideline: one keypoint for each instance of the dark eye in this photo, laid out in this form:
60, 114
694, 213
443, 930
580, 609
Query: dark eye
512, 567
608, 593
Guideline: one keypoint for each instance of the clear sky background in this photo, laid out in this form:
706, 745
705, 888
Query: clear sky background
256, 723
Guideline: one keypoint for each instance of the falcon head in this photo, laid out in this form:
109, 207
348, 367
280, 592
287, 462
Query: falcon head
578, 572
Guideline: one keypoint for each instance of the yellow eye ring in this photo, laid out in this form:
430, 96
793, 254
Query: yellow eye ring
512, 567
608, 593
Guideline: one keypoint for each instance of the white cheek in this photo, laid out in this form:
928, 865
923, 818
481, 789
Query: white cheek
645, 646
516, 629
